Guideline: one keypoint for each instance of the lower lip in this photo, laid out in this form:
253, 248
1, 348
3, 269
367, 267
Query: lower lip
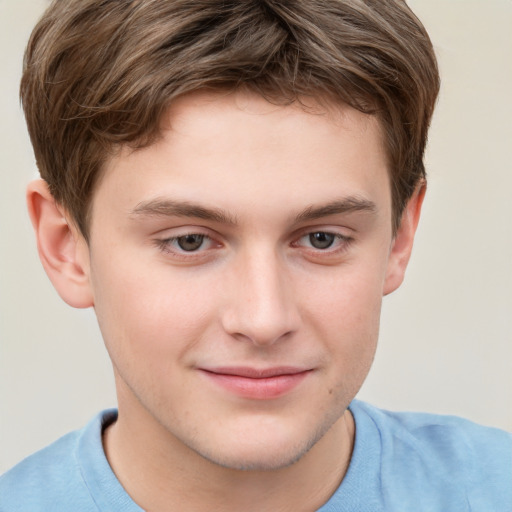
258, 389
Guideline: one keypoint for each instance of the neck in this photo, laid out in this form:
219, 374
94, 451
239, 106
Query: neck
157, 470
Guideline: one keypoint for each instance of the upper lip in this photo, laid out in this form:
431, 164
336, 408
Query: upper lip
256, 373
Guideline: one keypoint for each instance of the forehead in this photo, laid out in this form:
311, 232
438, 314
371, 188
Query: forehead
239, 151
205, 113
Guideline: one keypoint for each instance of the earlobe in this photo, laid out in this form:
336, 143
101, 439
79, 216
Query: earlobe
403, 241
62, 249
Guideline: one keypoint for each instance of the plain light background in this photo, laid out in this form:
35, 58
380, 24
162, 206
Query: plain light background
446, 337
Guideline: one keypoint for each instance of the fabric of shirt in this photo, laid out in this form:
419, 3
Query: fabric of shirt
400, 462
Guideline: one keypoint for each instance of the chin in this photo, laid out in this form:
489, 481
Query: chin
253, 452
262, 459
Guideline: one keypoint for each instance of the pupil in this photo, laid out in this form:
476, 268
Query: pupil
321, 240
190, 242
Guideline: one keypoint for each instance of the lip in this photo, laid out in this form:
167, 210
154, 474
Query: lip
257, 383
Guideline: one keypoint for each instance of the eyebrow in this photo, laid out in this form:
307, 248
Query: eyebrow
171, 208
346, 205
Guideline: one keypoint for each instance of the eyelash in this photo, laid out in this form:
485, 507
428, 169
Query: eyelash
339, 243
168, 245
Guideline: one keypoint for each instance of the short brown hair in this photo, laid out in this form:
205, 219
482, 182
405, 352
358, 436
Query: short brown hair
100, 73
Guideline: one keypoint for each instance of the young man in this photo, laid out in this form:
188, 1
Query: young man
234, 186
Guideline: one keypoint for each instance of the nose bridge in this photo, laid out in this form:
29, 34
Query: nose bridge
261, 306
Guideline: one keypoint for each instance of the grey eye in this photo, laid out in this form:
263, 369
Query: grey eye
321, 240
190, 242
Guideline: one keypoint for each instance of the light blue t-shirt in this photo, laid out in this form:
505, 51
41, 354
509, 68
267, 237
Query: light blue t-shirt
406, 462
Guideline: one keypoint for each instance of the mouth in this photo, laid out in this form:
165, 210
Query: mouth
256, 383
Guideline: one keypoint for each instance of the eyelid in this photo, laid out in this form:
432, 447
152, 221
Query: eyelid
340, 245
170, 241
166, 240
337, 231
337, 236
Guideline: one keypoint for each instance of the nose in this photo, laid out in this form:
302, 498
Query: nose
261, 305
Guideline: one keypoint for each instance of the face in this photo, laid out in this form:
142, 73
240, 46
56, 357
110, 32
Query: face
237, 268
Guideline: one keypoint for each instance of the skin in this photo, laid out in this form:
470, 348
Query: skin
292, 254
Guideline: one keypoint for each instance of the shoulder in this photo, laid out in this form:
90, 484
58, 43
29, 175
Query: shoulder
445, 456
51, 479
40, 480
441, 433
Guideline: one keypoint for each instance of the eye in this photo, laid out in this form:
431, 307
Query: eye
321, 239
190, 243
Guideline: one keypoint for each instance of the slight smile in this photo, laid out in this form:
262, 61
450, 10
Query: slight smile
257, 384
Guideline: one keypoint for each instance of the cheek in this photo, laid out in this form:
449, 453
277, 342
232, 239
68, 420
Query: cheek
346, 319
350, 297
146, 314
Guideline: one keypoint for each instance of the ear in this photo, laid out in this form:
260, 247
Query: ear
62, 249
401, 247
